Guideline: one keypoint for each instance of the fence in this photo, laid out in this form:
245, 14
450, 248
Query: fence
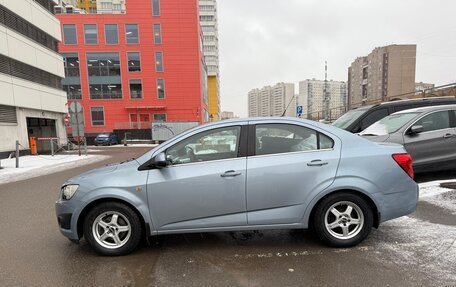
334, 113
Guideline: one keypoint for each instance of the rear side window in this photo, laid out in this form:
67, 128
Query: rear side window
435, 121
373, 117
283, 138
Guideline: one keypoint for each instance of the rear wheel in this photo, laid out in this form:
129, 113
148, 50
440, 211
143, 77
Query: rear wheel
343, 220
113, 229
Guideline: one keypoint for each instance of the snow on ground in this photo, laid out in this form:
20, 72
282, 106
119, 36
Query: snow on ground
33, 166
443, 197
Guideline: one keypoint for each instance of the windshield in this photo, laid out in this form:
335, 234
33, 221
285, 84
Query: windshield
388, 125
347, 119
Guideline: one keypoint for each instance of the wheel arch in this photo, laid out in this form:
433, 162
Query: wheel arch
82, 215
363, 195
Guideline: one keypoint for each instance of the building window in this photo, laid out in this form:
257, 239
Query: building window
159, 61
111, 34
71, 65
73, 91
90, 34
103, 64
131, 33
159, 117
160, 88
105, 91
157, 34
135, 89
134, 62
116, 7
155, 7
69, 34
97, 115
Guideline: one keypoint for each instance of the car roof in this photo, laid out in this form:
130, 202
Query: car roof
427, 109
409, 101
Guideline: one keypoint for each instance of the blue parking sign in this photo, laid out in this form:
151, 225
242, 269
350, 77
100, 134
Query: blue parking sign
299, 110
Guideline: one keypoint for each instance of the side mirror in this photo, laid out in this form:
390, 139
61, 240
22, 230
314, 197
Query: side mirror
160, 160
416, 129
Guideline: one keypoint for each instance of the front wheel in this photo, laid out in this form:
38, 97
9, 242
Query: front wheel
112, 229
343, 220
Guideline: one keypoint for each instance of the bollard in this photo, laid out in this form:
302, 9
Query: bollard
85, 146
52, 147
17, 154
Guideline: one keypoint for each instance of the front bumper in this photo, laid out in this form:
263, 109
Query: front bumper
66, 221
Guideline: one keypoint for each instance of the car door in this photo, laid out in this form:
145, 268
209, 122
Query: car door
436, 143
288, 164
204, 184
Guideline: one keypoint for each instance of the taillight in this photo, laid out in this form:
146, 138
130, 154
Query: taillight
404, 160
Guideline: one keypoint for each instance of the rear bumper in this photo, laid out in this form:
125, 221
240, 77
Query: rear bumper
398, 204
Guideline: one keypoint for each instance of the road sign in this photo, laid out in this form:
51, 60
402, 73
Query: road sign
299, 110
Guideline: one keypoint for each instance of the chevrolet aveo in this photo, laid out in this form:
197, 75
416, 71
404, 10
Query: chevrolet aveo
247, 174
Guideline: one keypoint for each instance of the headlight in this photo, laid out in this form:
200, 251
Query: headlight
68, 191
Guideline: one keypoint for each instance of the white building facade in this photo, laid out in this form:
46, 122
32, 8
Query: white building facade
311, 98
32, 102
272, 101
111, 6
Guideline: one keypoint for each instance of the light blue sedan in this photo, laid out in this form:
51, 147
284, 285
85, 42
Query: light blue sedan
245, 174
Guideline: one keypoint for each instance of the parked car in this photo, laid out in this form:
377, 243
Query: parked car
244, 174
361, 118
106, 139
428, 134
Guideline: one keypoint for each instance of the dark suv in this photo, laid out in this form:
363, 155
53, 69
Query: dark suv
360, 118
106, 139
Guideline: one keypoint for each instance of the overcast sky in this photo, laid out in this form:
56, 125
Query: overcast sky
263, 42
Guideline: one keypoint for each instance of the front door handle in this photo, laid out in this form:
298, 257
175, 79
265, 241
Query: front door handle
230, 173
317, 162
447, 136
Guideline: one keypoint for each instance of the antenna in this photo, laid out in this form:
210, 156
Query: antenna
325, 93
283, 114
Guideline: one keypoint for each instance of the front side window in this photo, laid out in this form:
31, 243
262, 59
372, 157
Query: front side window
435, 121
136, 89
158, 61
160, 88
90, 34
132, 33
134, 62
283, 138
111, 34
69, 34
217, 144
97, 115
157, 34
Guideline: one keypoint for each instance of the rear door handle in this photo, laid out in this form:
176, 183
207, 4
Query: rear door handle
317, 162
447, 136
230, 173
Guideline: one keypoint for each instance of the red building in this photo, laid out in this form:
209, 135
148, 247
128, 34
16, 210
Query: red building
130, 69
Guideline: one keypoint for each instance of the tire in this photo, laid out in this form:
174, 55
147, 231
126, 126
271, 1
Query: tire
112, 229
339, 226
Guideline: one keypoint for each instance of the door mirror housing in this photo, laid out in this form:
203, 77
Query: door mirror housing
160, 160
416, 129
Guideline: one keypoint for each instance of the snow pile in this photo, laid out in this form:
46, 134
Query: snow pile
33, 166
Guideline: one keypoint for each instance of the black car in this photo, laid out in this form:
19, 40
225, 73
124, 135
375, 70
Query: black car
106, 139
360, 118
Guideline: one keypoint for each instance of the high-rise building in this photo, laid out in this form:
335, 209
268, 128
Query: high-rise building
130, 69
225, 115
89, 6
208, 22
32, 102
385, 73
311, 98
111, 6
272, 101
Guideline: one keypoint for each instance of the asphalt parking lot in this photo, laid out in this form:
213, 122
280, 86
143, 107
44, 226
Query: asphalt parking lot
417, 250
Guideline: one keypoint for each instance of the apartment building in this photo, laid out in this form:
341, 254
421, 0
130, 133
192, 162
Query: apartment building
32, 102
128, 70
271, 101
383, 74
209, 28
111, 6
312, 98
